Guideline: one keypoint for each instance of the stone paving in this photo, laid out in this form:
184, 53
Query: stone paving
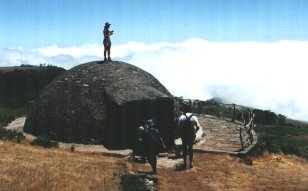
218, 135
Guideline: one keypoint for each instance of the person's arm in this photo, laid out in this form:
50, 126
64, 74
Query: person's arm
180, 121
161, 139
198, 126
197, 129
141, 131
162, 142
107, 33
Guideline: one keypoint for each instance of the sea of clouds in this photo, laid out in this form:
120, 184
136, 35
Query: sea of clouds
268, 76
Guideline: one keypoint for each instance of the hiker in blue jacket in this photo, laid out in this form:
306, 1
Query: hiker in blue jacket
152, 141
189, 125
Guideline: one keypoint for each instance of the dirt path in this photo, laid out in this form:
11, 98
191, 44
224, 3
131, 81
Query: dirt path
164, 162
223, 172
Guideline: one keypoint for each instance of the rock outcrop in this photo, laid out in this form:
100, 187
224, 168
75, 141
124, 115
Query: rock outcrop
18, 85
101, 103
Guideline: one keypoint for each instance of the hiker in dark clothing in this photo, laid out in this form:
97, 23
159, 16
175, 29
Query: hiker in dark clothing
189, 125
152, 141
107, 41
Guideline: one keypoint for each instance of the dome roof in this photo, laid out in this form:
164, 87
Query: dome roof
76, 106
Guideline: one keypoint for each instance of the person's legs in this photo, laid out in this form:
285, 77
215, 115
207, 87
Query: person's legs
105, 58
153, 161
105, 49
143, 153
184, 154
154, 167
109, 55
190, 150
109, 47
184, 149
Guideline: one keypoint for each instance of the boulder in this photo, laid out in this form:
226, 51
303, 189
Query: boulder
101, 103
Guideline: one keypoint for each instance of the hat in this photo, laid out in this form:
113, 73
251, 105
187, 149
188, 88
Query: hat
185, 108
107, 24
150, 123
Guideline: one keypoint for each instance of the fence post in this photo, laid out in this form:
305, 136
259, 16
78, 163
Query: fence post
241, 139
217, 108
233, 118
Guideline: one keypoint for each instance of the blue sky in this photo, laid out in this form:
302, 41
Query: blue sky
248, 52
39, 23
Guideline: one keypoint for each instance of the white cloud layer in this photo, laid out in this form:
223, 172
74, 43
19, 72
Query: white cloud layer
262, 75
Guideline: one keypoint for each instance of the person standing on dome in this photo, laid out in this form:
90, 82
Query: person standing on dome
107, 41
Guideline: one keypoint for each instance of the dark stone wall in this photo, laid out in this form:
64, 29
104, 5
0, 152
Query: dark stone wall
119, 130
67, 112
124, 121
101, 103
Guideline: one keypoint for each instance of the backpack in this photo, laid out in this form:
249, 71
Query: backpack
188, 128
151, 132
187, 123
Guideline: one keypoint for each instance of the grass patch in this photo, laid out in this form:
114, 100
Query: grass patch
23, 167
281, 130
290, 146
11, 135
130, 182
284, 139
45, 142
9, 113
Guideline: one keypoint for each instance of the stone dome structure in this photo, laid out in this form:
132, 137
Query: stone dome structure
101, 103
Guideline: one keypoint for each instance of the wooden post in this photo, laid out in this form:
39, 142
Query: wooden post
233, 118
217, 108
241, 139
